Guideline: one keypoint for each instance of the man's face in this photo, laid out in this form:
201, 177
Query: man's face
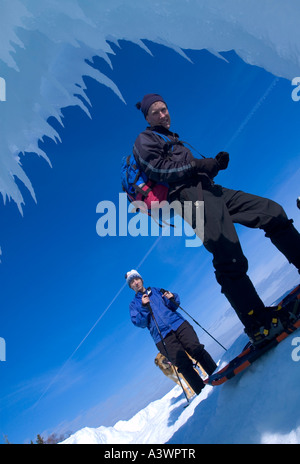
158, 115
137, 284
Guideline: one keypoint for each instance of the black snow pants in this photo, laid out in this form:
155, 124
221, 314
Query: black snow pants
222, 208
185, 340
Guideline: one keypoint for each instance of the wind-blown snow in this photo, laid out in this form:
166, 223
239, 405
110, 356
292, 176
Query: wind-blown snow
44, 47
260, 405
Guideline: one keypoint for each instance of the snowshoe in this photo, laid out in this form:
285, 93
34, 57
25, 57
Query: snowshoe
289, 310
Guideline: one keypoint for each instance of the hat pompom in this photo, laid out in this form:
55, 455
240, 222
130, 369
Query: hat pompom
147, 101
129, 276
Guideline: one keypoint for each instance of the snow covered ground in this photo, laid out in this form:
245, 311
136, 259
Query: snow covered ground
260, 405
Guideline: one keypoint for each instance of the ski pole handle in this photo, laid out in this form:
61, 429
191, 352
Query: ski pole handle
162, 290
146, 293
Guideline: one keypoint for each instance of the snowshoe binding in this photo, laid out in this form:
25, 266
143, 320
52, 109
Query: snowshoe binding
273, 320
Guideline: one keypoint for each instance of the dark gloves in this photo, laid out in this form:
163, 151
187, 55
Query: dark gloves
222, 159
209, 166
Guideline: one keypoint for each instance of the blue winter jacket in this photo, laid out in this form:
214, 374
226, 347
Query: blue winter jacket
164, 312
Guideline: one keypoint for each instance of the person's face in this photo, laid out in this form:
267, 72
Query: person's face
158, 115
137, 284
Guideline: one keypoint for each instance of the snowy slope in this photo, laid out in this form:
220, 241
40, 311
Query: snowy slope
261, 405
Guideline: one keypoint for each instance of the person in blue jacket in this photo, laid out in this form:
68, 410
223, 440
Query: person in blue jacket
175, 337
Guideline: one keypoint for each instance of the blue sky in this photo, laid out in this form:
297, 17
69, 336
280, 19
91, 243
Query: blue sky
59, 279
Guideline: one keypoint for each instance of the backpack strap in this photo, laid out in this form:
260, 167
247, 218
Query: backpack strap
144, 193
136, 187
165, 137
134, 167
170, 143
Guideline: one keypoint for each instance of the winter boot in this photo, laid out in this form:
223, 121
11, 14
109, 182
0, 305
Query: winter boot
242, 296
265, 325
193, 378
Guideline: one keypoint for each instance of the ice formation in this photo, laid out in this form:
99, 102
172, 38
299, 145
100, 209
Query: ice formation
44, 48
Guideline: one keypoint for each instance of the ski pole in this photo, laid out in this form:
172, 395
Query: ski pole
148, 292
178, 306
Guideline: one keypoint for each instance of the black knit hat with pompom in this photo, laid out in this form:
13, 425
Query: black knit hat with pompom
147, 101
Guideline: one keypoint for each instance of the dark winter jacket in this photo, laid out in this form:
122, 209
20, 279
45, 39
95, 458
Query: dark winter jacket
171, 163
164, 311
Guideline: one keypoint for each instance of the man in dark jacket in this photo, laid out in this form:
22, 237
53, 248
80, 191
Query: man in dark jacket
191, 179
172, 334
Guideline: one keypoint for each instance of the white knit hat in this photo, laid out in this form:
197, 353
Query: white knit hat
130, 275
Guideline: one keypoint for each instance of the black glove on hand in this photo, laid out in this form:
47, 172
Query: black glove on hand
222, 159
209, 166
